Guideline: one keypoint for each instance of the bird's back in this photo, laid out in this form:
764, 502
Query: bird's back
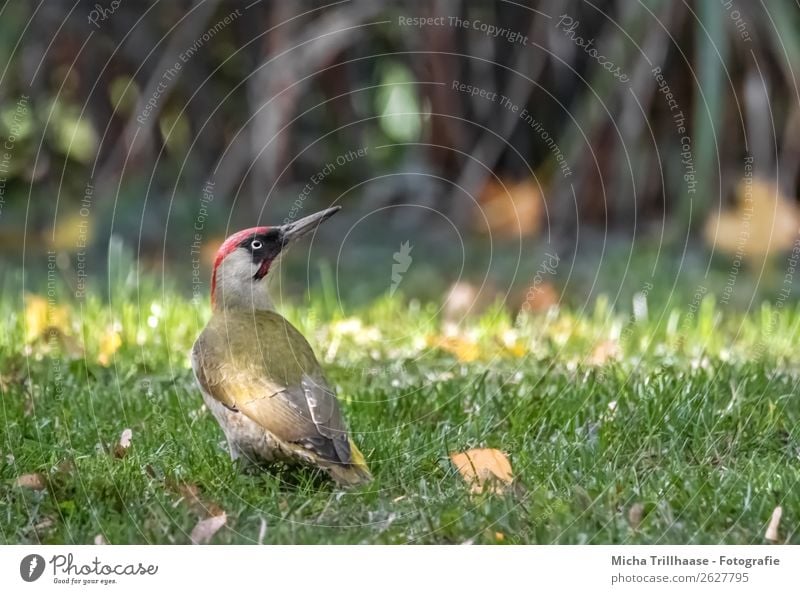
259, 365
263, 342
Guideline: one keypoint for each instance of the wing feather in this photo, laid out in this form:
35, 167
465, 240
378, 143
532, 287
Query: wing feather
262, 366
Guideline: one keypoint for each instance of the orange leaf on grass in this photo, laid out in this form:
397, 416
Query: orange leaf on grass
604, 352
510, 209
764, 221
485, 469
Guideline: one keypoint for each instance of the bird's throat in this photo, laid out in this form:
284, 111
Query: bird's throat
263, 269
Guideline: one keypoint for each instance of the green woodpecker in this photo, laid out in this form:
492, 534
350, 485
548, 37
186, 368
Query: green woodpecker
258, 374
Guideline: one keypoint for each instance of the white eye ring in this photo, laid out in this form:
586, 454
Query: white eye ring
256, 244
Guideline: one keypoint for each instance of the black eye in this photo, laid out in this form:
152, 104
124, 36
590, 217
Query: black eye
256, 244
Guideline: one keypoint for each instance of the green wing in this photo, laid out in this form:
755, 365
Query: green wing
259, 364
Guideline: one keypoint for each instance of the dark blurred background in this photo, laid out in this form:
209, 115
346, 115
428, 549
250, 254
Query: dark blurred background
629, 143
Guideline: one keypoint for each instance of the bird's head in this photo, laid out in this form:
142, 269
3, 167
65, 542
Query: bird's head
244, 259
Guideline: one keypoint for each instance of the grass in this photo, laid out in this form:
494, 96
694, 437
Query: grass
692, 419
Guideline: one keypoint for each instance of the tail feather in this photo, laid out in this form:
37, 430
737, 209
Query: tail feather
350, 475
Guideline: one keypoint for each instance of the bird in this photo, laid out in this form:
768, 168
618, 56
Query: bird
258, 374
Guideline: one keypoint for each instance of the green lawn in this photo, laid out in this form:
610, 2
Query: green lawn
694, 420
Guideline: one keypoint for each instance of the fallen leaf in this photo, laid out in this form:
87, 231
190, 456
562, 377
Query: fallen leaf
44, 524
121, 449
464, 349
635, 515
262, 531
110, 342
43, 318
511, 343
190, 494
772, 534
540, 298
206, 529
763, 221
604, 352
34, 481
509, 209
484, 469
499, 536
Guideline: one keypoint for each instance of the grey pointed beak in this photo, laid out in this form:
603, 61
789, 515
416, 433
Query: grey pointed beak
297, 229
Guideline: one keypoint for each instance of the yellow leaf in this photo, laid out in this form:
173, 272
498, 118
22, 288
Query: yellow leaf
464, 349
516, 349
485, 469
109, 343
41, 316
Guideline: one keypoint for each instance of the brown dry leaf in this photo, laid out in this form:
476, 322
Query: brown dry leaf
772, 533
763, 222
190, 494
499, 536
121, 449
540, 298
464, 349
34, 481
604, 352
635, 515
110, 342
510, 209
484, 469
206, 529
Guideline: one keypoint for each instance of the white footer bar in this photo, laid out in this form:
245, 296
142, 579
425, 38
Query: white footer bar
382, 569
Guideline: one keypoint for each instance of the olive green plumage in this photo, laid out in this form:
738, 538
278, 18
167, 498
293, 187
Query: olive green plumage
258, 365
